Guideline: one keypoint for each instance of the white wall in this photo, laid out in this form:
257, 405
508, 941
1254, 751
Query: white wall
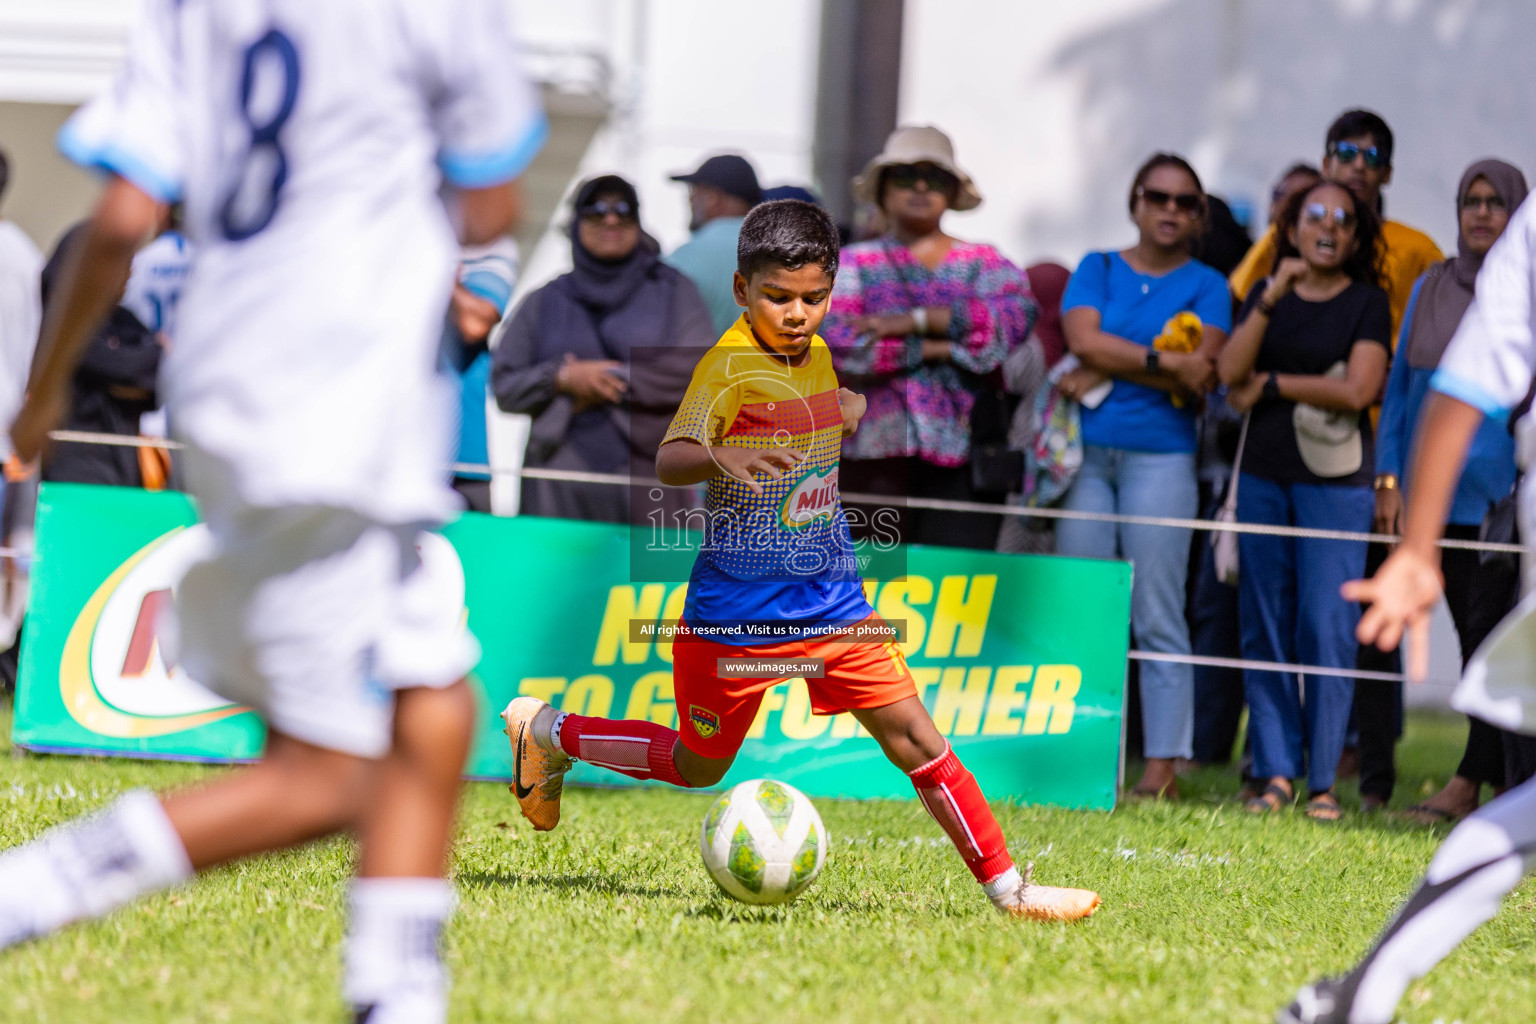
689, 83
1052, 106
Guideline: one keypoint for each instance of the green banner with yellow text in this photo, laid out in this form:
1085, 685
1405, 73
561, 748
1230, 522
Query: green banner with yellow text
1020, 659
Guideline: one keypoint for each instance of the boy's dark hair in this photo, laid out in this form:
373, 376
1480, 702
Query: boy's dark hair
5, 171
789, 233
1364, 264
1355, 124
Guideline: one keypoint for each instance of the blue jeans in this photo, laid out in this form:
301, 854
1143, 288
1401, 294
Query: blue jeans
1292, 611
1144, 484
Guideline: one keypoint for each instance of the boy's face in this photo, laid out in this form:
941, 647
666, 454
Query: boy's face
785, 307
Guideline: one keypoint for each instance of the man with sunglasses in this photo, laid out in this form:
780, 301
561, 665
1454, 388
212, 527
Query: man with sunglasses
1358, 154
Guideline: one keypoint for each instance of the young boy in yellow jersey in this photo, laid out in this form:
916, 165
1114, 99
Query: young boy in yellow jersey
762, 425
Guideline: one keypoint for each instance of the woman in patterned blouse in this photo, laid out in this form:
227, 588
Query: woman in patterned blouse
919, 319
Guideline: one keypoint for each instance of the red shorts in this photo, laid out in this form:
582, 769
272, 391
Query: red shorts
714, 713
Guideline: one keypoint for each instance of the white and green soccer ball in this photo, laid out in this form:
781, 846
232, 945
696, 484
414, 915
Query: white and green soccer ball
763, 842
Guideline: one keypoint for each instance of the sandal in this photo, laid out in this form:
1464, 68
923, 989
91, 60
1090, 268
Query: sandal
1324, 806
1274, 797
1424, 814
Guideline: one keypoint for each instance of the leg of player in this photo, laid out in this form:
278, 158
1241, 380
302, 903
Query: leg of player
951, 795
1478, 864
546, 742
401, 899
140, 843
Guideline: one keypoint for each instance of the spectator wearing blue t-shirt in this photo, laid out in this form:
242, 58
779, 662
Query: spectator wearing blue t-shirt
480, 299
1139, 439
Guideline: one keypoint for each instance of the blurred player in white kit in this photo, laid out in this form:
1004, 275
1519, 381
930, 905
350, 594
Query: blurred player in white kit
1487, 371
309, 143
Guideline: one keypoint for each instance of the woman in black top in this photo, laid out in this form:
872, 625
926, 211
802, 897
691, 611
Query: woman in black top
1306, 361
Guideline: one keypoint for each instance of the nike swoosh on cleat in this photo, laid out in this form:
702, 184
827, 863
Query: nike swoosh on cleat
523, 792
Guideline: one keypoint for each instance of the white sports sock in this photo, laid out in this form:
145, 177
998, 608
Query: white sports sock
90, 867
1478, 864
394, 967
554, 732
1003, 890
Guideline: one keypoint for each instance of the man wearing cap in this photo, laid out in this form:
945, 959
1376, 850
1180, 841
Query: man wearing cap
720, 193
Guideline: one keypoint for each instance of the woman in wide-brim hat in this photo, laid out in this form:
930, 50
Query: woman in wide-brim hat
918, 320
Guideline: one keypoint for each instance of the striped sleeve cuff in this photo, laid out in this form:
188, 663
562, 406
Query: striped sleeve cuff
483, 170
114, 159
1466, 391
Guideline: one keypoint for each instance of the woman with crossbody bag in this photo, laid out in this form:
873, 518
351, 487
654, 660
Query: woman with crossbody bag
1305, 362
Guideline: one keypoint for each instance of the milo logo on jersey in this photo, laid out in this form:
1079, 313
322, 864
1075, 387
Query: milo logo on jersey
813, 498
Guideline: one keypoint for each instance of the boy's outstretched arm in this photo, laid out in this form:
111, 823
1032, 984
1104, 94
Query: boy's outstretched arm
90, 285
1403, 592
681, 462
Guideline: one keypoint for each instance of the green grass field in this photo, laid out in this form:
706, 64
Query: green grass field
1209, 915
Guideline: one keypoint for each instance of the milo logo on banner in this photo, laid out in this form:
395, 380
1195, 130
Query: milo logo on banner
117, 676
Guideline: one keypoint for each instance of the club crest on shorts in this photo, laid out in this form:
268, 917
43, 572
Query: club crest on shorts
705, 722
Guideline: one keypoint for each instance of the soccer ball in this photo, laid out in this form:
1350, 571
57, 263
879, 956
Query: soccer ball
763, 842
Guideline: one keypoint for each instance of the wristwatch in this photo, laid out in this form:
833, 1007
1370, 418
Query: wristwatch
1271, 387
1154, 360
1386, 482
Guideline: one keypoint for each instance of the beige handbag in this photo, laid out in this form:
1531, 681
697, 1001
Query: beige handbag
1225, 541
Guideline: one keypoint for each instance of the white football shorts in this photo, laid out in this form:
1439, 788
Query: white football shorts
314, 616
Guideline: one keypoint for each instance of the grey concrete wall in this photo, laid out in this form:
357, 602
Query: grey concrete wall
47, 193
1053, 106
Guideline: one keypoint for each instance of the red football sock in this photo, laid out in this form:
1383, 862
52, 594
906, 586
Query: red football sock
951, 795
641, 750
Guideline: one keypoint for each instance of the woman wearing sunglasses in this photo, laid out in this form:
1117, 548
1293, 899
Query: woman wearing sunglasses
1489, 193
919, 319
1139, 440
600, 357
1306, 361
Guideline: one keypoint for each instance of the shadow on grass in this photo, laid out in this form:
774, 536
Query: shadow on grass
566, 883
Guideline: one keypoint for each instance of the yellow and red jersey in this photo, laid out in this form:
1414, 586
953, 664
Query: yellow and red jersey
784, 555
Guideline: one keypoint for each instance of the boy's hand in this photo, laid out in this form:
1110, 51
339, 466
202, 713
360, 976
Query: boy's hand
853, 406
1401, 596
745, 463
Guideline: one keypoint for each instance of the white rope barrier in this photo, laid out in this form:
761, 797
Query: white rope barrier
1370, 675
858, 498
940, 504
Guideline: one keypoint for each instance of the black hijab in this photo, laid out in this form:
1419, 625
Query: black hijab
621, 310
600, 285
1447, 289
604, 309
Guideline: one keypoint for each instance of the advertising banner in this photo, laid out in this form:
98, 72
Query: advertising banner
1021, 659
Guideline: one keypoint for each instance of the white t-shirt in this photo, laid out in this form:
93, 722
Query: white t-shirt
309, 142
21, 312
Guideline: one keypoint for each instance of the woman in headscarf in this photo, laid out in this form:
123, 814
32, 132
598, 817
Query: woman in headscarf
1489, 192
600, 357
